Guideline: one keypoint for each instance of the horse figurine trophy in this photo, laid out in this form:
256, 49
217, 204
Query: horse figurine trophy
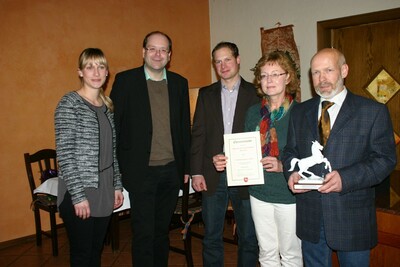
310, 181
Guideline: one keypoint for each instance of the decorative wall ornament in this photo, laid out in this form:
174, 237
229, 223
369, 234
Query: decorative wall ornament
383, 86
282, 38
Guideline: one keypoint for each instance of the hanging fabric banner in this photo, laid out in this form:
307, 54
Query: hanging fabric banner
282, 38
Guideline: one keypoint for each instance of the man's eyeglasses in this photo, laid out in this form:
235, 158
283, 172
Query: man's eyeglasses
153, 50
273, 76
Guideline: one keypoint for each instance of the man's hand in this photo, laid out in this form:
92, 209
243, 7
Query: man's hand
220, 162
199, 183
293, 179
332, 183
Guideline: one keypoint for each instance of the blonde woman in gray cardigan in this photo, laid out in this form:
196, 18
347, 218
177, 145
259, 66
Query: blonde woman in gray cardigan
89, 179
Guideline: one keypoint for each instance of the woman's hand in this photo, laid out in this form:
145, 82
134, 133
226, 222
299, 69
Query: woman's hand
272, 164
82, 210
118, 199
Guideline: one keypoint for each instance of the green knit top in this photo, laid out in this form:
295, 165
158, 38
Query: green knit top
275, 188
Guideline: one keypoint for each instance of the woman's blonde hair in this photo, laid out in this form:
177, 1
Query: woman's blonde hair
285, 62
97, 56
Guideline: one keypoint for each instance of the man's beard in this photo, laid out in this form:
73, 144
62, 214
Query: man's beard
335, 91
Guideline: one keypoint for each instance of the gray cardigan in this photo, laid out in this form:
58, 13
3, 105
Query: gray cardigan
77, 146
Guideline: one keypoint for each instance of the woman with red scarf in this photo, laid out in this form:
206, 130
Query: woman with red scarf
273, 205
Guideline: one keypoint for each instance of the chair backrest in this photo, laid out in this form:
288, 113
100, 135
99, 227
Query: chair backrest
46, 159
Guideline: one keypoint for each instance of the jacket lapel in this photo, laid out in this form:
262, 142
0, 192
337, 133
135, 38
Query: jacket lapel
344, 116
312, 118
241, 108
216, 106
172, 100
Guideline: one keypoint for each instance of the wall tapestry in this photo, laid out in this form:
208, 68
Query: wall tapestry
282, 38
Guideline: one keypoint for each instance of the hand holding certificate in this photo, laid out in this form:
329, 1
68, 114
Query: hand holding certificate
243, 151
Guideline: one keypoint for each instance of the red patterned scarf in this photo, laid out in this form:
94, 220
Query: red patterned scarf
269, 137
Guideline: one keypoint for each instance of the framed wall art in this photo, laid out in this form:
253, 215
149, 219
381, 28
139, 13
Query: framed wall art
383, 86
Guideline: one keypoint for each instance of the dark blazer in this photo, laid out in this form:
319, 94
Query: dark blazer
208, 130
134, 128
361, 148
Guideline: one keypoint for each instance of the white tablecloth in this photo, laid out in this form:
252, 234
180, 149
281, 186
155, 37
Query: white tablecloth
50, 186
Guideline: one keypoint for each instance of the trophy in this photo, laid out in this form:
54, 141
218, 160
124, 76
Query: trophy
308, 179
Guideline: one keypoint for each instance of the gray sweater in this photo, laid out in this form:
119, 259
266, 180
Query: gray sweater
77, 146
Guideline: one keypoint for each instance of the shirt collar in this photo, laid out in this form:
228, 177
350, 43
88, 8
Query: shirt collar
149, 78
337, 99
234, 88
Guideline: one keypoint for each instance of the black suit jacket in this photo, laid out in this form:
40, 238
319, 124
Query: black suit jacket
208, 130
361, 148
134, 128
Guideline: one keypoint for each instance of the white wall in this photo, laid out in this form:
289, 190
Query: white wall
239, 21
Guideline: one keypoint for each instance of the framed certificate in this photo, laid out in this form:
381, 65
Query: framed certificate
244, 166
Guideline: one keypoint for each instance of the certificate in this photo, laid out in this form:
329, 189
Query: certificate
243, 166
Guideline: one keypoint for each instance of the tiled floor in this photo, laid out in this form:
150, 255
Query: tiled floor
29, 255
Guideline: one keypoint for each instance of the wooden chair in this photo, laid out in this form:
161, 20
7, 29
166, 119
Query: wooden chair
45, 160
187, 212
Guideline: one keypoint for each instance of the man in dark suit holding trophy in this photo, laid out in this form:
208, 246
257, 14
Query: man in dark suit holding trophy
340, 215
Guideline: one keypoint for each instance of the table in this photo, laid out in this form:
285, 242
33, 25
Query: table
50, 186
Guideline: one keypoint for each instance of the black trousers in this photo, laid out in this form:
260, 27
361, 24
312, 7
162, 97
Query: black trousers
86, 237
152, 206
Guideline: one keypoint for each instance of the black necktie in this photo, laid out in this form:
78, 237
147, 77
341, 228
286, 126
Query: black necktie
325, 123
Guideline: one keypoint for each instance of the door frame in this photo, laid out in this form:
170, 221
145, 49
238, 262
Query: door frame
325, 28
